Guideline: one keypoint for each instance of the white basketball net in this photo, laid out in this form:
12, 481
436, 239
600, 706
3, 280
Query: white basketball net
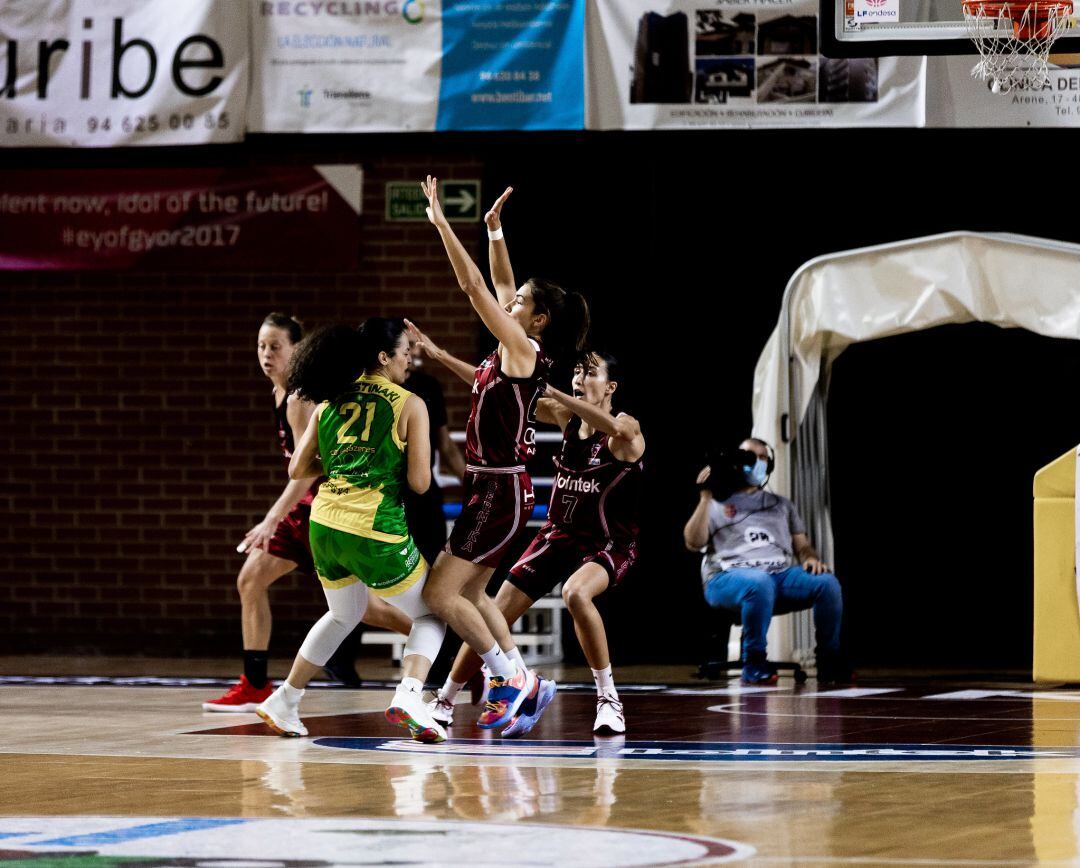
1009, 62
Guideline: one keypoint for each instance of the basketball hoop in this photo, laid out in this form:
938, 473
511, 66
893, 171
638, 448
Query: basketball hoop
1014, 39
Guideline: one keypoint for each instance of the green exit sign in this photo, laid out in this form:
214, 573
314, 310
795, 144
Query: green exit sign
405, 201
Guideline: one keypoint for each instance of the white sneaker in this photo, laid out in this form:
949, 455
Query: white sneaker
407, 709
609, 716
282, 717
441, 710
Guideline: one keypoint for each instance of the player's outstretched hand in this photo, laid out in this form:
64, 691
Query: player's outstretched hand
421, 342
493, 218
434, 209
259, 536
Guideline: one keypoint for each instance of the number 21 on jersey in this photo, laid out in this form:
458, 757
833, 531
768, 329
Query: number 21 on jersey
353, 411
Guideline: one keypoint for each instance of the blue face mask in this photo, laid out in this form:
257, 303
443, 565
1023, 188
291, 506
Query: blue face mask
757, 474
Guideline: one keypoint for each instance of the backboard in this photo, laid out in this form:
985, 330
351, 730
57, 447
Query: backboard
886, 28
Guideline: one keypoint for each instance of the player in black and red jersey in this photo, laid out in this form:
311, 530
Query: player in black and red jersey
589, 541
501, 435
278, 544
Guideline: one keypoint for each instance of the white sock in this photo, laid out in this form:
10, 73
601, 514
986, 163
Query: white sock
292, 694
605, 684
500, 665
412, 685
515, 655
451, 689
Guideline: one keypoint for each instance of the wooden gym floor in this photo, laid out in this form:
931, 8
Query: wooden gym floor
894, 772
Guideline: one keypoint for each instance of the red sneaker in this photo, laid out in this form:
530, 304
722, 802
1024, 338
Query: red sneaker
240, 697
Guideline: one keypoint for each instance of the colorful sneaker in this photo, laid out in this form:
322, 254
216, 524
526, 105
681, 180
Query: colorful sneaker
441, 710
407, 710
241, 697
756, 675
531, 709
505, 696
280, 715
609, 716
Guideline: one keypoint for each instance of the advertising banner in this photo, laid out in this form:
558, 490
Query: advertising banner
195, 220
959, 99
345, 65
100, 73
663, 64
407, 65
517, 66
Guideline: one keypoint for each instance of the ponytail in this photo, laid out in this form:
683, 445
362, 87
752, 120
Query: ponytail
568, 318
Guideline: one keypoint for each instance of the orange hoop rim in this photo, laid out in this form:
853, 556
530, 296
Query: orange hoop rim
1031, 21
1041, 10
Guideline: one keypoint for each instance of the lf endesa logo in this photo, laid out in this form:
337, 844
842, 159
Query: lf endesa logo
197, 51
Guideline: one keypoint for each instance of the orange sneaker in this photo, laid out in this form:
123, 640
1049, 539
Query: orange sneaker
505, 696
241, 697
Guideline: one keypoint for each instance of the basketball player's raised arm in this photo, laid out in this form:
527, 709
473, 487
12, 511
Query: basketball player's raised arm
305, 463
413, 429
622, 427
495, 317
502, 274
428, 347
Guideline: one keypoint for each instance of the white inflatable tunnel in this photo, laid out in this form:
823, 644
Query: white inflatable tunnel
834, 301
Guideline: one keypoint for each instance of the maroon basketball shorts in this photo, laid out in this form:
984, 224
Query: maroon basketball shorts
495, 509
290, 540
553, 556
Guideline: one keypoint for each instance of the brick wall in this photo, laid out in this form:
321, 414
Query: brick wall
140, 444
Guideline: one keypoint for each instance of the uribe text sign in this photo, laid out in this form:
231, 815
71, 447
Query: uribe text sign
100, 73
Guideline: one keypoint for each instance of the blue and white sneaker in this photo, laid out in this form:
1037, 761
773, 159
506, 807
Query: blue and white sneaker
531, 709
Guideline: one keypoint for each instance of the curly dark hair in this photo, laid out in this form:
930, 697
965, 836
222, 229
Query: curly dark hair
331, 358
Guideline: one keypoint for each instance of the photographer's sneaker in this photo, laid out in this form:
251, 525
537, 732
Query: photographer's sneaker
759, 676
441, 710
407, 710
282, 716
505, 696
609, 716
531, 709
240, 698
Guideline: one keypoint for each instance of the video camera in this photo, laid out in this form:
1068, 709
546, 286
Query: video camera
727, 470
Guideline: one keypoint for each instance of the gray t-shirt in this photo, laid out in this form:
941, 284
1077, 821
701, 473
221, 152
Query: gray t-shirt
751, 531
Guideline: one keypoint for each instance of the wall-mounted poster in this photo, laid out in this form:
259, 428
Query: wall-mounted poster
101, 73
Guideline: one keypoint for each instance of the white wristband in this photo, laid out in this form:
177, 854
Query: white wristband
495, 234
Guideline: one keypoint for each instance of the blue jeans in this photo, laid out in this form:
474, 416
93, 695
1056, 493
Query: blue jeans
756, 593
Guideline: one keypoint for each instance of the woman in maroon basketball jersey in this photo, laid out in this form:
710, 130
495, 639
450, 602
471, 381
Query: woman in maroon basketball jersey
278, 544
590, 538
533, 323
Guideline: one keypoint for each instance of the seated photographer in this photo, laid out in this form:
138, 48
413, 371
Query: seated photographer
759, 559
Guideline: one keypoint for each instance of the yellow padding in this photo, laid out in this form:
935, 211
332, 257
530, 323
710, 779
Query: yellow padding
1056, 652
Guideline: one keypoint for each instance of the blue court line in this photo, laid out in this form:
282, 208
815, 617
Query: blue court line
15, 834
136, 833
